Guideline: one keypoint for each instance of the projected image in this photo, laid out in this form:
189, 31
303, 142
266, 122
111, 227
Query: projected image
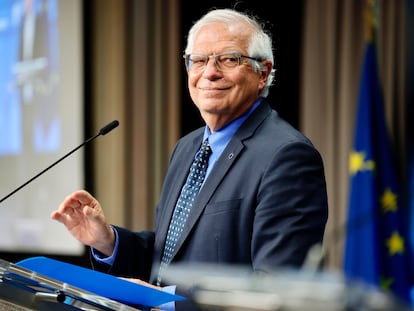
29, 112
41, 118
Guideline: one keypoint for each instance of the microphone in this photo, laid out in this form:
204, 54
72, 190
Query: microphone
103, 131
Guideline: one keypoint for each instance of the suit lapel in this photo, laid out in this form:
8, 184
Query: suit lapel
186, 157
219, 171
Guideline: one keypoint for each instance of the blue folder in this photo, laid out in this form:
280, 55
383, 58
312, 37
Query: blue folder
99, 283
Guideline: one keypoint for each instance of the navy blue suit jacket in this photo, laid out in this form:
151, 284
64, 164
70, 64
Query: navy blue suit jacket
264, 203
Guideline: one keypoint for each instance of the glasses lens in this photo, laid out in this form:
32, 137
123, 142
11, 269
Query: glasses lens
228, 60
196, 61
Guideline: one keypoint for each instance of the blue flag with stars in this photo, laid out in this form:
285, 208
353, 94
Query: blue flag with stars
376, 250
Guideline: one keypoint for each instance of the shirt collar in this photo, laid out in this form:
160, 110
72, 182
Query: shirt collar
219, 139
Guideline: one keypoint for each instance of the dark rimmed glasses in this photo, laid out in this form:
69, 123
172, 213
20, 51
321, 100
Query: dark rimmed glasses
224, 61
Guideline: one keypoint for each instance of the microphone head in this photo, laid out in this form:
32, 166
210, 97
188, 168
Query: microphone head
109, 127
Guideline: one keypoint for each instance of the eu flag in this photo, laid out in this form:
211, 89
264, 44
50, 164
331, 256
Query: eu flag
376, 249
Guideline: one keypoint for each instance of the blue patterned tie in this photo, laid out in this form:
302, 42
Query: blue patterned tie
185, 201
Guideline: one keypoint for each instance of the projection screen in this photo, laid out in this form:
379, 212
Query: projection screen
41, 119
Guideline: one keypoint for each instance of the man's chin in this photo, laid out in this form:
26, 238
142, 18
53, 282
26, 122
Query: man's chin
211, 108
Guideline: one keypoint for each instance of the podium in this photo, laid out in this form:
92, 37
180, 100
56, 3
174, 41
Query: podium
230, 287
22, 289
213, 287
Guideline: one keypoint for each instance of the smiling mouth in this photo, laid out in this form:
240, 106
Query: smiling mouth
212, 89
213, 92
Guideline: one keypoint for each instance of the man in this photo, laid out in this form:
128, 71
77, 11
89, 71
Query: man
263, 201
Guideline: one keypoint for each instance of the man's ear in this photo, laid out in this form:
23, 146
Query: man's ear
266, 69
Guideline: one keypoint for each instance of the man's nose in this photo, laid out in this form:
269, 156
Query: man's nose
211, 66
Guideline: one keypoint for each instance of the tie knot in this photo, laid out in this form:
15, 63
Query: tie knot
205, 149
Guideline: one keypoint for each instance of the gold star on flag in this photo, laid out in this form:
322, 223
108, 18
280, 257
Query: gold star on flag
357, 162
388, 201
385, 283
395, 244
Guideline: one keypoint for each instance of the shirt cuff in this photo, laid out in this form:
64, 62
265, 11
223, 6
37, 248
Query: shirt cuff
98, 256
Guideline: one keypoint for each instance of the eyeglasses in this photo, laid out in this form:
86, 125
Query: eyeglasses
223, 62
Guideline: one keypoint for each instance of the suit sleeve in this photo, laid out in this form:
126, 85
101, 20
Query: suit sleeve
134, 256
292, 208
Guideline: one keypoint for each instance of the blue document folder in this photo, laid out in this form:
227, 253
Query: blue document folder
99, 283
